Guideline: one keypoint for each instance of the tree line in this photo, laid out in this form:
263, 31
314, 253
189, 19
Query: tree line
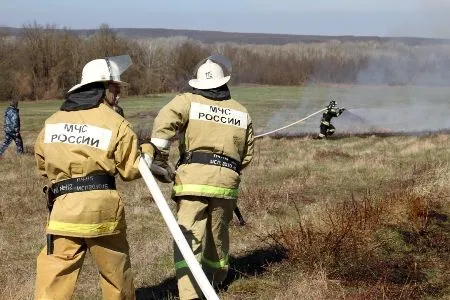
45, 61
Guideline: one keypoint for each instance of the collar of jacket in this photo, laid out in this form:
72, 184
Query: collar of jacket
86, 97
217, 94
13, 108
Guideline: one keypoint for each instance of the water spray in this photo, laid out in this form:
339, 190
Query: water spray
289, 125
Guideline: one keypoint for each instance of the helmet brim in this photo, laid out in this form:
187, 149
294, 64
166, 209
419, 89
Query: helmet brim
209, 83
77, 86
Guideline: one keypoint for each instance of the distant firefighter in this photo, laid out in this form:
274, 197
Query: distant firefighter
326, 128
12, 128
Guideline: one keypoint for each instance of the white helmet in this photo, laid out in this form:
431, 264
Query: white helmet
209, 76
104, 70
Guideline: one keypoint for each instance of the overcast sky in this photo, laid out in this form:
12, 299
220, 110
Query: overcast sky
421, 18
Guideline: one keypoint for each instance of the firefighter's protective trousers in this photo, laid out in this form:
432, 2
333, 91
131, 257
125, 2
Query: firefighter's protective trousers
57, 273
204, 222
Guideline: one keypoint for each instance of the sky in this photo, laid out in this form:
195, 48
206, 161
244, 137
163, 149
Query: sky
418, 18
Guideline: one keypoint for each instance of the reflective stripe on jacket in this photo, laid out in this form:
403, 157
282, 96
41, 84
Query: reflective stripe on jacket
75, 144
223, 127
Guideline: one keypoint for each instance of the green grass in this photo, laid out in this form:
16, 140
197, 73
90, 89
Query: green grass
287, 104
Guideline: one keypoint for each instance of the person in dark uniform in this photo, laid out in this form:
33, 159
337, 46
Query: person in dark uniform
12, 128
326, 128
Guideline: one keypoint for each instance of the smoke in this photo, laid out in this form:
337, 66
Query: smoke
401, 88
369, 109
399, 64
396, 119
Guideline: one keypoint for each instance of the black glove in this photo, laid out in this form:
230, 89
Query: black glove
161, 168
341, 110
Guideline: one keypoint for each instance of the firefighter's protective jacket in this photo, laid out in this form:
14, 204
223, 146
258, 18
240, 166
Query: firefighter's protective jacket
214, 126
75, 144
12, 120
330, 113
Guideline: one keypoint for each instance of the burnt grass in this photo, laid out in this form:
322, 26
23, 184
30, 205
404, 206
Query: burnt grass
342, 135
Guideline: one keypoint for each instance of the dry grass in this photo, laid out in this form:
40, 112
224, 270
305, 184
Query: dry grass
390, 242
350, 218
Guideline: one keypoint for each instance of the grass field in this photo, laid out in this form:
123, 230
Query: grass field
347, 218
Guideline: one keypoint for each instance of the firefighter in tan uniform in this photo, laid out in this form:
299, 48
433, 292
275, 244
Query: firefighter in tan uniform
80, 150
216, 144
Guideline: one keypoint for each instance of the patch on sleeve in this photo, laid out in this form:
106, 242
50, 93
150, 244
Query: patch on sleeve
219, 115
78, 134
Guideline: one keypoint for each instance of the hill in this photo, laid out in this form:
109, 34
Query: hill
210, 37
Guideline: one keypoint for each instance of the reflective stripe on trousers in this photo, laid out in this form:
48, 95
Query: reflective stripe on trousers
220, 264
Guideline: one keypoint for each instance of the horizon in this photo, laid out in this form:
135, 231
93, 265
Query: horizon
381, 18
228, 32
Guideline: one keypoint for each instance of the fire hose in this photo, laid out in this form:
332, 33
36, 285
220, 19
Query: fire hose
289, 125
175, 230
